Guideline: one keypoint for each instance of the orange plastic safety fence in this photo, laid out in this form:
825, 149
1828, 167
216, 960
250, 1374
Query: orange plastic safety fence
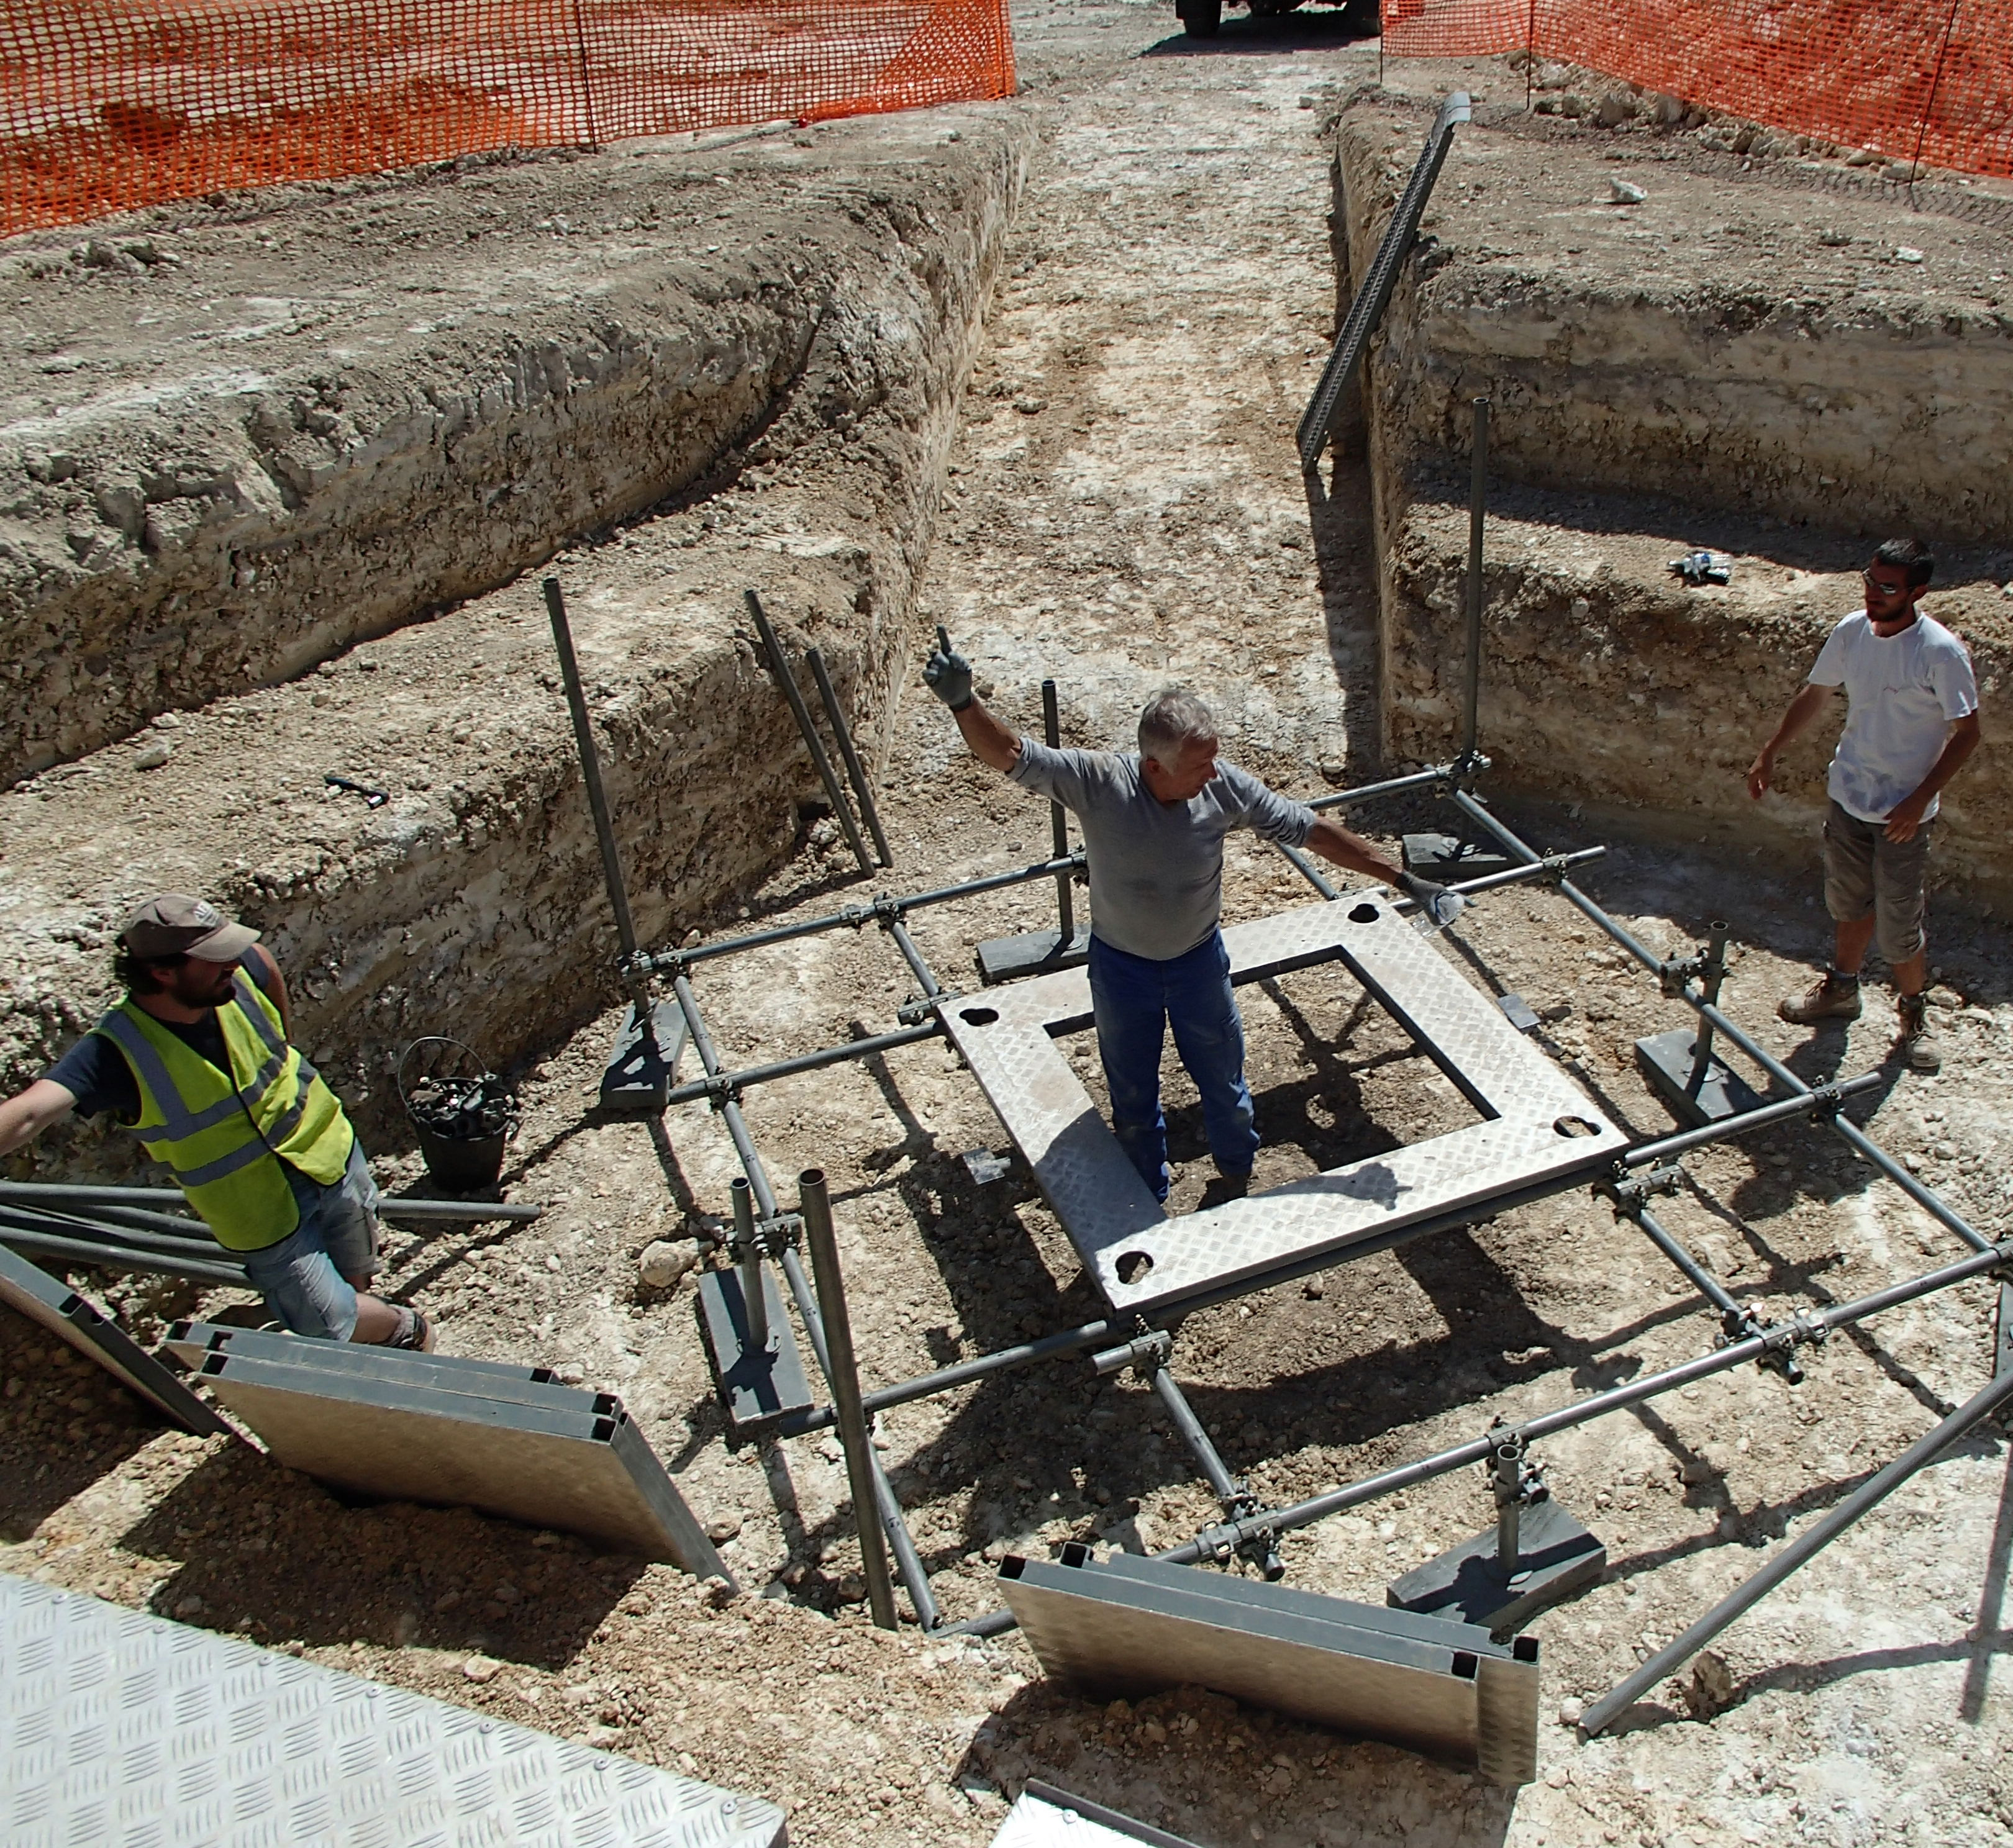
1932, 79
105, 104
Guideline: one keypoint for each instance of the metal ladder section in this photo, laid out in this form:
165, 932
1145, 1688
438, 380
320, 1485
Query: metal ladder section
1371, 300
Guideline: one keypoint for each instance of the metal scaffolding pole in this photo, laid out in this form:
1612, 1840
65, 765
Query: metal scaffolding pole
907, 1562
852, 917
1478, 509
856, 771
1810, 1327
1848, 1131
31, 1192
819, 761
814, 1202
1800, 1552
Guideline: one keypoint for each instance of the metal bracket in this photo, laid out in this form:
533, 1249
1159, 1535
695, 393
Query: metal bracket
1802, 1330
1146, 1352
1625, 1189
1674, 973
771, 1237
919, 1009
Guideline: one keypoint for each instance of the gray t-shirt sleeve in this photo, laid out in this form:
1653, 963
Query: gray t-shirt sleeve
1266, 813
1062, 776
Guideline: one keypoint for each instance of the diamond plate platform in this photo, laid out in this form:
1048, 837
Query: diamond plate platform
121, 1730
1540, 1129
28, 1289
1043, 1817
1131, 1626
580, 1471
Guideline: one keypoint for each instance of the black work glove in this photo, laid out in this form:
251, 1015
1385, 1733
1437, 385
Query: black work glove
948, 675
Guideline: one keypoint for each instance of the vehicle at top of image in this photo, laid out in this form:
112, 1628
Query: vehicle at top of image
1201, 18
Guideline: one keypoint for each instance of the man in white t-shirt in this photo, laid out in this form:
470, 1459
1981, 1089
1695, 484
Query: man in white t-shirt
1911, 719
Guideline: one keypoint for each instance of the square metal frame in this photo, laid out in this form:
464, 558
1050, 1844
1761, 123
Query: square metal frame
1538, 1128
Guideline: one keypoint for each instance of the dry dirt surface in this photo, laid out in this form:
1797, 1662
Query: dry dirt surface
1125, 508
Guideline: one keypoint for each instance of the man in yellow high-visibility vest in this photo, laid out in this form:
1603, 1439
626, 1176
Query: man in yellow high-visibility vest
196, 1062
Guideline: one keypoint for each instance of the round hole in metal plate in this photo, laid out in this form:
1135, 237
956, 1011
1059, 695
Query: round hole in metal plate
1574, 1126
979, 1017
1363, 913
1132, 1266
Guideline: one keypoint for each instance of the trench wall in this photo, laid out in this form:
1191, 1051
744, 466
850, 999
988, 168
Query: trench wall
1639, 411
472, 903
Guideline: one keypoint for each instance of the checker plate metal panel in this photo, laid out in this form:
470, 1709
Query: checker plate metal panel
30, 1290
568, 1471
1006, 1036
120, 1728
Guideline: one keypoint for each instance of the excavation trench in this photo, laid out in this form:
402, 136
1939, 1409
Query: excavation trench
1748, 361
705, 367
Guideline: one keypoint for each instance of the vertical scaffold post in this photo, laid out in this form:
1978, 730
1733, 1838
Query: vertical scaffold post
814, 1202
813, 743
748, 1261
1059, 828
1478, 498
1509, 1486
597, 801
1711, 975
856, 771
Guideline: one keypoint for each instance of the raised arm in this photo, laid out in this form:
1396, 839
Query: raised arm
948, 675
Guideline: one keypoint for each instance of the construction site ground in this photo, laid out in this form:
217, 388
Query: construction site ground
1124, 509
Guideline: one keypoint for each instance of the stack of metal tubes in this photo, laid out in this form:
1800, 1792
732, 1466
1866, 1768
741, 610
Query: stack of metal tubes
137, 1229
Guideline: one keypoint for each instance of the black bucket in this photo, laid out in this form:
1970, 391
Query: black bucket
464, 1116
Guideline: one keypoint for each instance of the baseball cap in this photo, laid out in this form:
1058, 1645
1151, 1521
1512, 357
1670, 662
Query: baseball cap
172, 924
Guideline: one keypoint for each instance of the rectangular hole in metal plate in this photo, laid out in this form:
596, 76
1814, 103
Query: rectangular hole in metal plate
1463, 1664
1525, 1649
1012, 1566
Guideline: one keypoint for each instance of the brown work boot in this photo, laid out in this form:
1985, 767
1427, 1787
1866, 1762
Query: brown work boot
1916, 1042
1834, 999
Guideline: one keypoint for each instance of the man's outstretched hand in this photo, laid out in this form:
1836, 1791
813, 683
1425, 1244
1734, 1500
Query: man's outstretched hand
948, 675
1439, 906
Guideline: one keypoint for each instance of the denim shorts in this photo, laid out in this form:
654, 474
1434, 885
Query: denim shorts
304, 1278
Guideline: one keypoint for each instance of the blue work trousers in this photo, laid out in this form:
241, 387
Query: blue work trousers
1131, 996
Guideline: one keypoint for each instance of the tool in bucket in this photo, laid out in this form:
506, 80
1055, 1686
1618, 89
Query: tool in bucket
464, 1115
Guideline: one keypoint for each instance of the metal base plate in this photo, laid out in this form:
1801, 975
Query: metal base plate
2003, 1345
1541, 1128
640, 1072
1557, 1558
1666, 1060
1449, 859
30, 1291
1133, 1626
757, 1386
579, 1472
116, 1726
1033, 952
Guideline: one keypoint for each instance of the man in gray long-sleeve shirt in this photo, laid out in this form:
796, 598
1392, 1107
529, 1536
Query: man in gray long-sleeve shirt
1153, 827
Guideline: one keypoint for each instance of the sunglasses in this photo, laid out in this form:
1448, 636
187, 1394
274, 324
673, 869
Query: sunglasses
1885, 590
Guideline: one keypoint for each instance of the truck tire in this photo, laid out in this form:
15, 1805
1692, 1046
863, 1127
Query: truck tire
1201, 18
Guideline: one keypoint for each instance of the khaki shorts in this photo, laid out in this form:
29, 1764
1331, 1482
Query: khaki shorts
1865, 872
